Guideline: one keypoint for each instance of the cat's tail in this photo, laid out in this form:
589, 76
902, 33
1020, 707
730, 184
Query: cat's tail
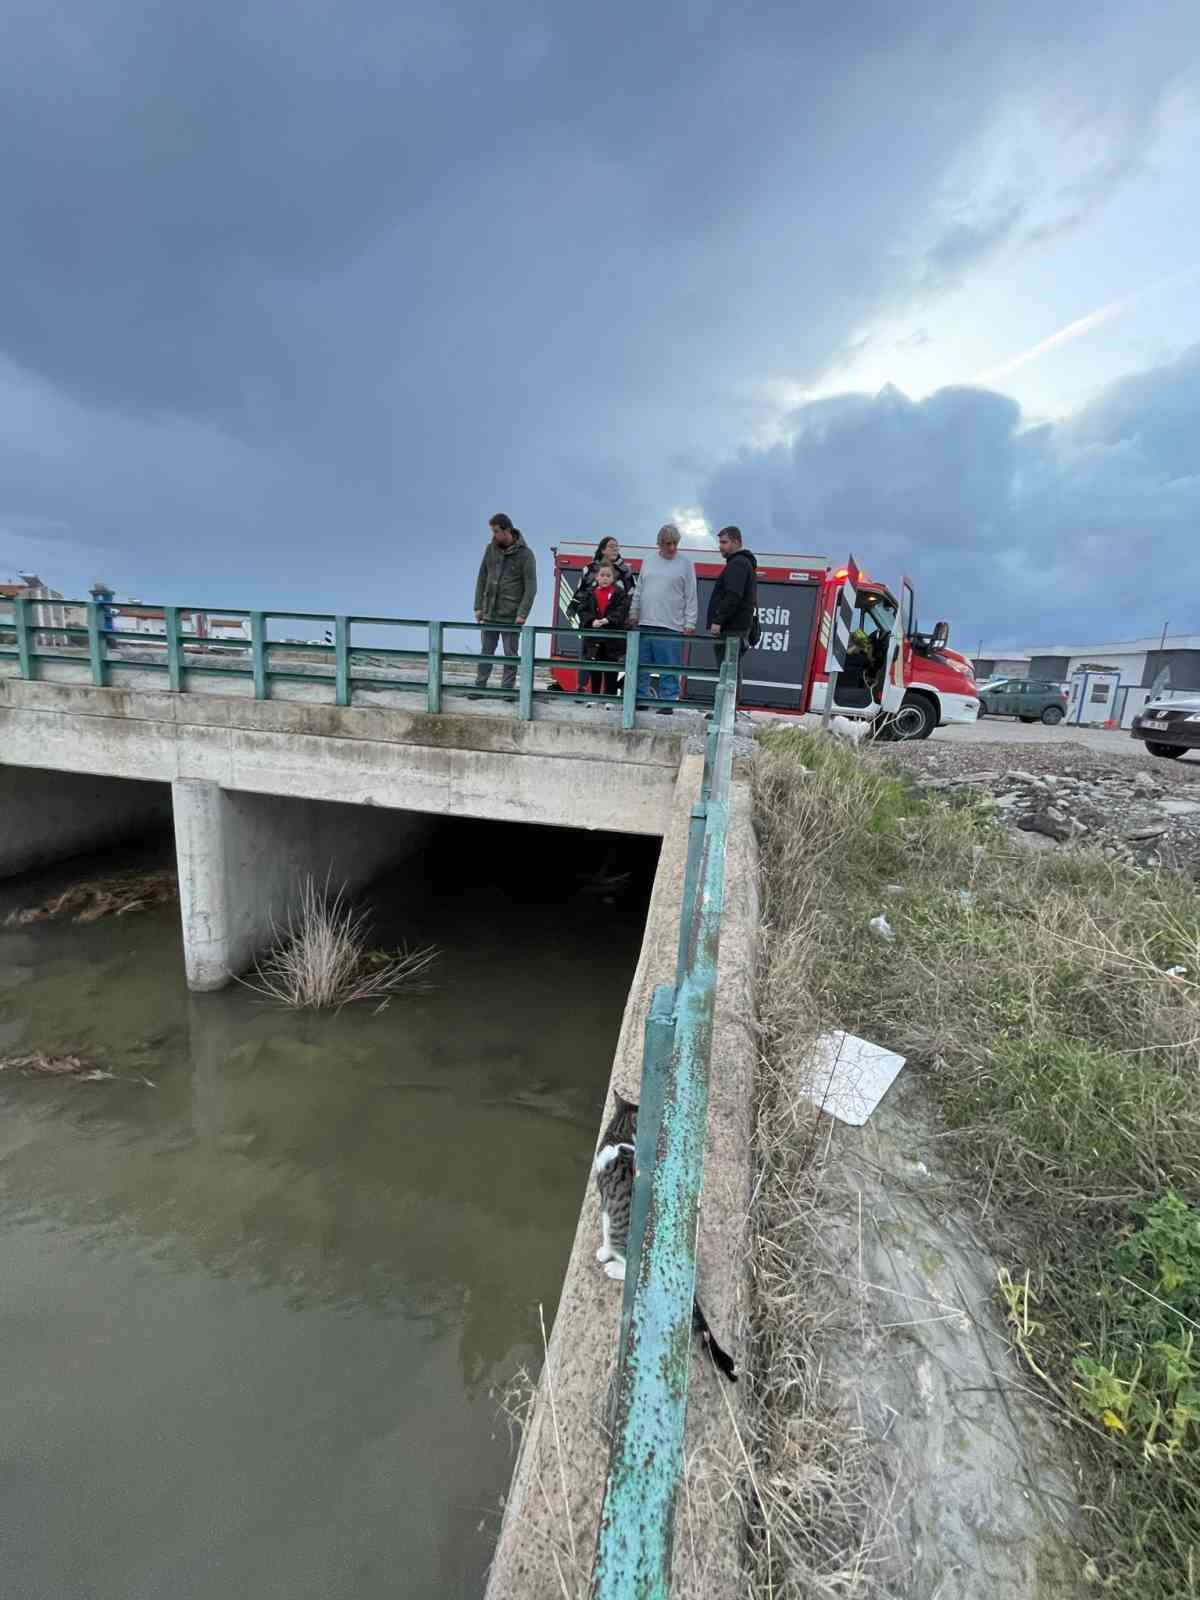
721, 1358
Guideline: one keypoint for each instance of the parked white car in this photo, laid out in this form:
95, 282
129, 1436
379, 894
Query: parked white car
1169, 727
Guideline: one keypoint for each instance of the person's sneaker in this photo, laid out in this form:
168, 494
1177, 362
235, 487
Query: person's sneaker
476, 697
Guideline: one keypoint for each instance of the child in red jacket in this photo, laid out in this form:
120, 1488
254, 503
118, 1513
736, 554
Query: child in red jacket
602, 605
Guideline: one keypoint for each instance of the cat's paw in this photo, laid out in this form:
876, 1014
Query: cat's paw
616, 1271
604, 1254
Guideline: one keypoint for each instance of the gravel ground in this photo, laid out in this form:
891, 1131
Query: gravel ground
1134, 808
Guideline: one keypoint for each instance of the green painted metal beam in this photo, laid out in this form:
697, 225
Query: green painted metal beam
697, 828
24, 645
637, 1522
629, 696
341, 645
95, 644
258, 643
433, 700
525, 676
174, 648
656, 1065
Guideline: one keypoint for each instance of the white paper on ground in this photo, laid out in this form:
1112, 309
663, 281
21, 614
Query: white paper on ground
851, 1076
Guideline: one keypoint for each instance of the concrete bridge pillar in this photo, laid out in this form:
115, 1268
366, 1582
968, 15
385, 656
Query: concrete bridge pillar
242, 858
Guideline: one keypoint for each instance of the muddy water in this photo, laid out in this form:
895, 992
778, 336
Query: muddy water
251, 1310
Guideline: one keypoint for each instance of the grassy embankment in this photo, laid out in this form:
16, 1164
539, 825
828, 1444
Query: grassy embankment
1064, 1064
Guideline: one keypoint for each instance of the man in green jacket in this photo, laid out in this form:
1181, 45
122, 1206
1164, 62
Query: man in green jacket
504, 593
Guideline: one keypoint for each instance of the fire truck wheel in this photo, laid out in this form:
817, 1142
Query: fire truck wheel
916, 718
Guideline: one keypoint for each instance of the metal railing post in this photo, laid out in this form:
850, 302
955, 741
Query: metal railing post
258, 647
691, 879
341, 652
637, 1522
24, 649
629, 697
95, 644
433, 671
525, 674
656, 1063
174, 649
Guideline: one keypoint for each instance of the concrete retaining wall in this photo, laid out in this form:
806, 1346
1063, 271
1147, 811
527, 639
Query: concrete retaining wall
553, 1508
243, 857
48, 816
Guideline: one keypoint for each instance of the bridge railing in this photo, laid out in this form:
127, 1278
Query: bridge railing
637, 1522
343, 663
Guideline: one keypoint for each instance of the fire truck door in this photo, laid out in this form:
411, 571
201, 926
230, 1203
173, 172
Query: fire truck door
893, 681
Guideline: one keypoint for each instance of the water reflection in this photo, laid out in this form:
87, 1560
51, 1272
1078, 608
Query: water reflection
250, 1314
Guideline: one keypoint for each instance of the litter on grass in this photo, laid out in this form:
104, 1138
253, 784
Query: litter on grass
851, 1076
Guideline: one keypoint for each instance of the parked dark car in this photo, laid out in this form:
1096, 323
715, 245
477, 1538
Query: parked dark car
1168, 727
1025, 698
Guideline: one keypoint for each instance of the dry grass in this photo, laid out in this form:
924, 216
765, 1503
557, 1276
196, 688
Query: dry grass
813, 1504
77, 1069
104, 897
1052, 1008
322, 960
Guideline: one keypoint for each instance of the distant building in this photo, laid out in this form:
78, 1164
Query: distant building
47, 611
1165, 661
1161, 664
132, 617
1010, 665
1170, 661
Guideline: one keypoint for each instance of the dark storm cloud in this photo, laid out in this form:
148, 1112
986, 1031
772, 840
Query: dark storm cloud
1015, 534
316, 287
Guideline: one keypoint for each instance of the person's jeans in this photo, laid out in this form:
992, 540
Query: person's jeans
512, 647
659, 650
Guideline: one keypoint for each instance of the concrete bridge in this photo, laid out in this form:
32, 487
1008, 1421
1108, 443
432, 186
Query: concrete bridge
264, 793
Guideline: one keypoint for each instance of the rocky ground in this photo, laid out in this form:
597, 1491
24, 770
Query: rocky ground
1141, 809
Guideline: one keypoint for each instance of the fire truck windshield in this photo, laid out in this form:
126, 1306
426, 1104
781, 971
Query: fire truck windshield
877, 608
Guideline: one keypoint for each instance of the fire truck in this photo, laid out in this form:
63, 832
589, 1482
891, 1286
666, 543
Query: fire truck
924, 682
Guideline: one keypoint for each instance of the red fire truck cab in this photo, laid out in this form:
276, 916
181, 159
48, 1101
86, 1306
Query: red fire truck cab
925, 684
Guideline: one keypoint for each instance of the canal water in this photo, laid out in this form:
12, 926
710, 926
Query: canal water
256, 1294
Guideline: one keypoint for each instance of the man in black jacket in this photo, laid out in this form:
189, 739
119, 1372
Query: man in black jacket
734, 598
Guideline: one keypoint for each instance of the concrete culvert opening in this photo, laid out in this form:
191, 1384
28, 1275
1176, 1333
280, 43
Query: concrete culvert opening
48, 817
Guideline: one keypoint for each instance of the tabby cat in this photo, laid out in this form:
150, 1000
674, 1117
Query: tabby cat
614, 1167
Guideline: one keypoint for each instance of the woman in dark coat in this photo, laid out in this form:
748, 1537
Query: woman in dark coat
607, 550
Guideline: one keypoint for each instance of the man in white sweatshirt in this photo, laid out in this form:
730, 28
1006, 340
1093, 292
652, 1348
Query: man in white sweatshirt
664, 608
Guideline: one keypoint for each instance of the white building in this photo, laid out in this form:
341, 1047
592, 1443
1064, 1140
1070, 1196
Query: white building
47, 611
132, 617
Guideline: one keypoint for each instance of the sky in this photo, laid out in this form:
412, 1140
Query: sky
296, 296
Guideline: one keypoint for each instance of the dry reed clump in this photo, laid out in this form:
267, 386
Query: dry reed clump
76, 1069
104, 897
1051, 1006
321, 958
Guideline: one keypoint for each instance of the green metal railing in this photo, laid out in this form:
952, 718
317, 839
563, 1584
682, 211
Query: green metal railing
637, 1521
344, 664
